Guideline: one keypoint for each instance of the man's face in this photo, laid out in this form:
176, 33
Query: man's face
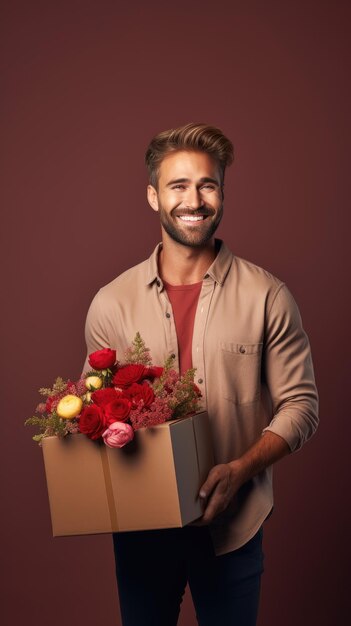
189, 197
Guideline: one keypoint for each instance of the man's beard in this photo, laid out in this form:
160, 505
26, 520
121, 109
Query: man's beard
196, 236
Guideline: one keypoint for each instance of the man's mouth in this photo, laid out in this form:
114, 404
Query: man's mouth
192, 218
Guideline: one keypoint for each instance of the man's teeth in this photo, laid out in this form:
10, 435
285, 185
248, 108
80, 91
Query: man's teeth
191, 218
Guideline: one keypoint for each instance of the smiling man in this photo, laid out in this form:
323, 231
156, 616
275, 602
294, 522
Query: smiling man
240, 328
188, 179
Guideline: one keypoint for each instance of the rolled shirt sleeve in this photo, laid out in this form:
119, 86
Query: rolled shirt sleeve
288, 372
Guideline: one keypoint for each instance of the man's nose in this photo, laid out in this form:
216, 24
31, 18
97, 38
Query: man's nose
193, 198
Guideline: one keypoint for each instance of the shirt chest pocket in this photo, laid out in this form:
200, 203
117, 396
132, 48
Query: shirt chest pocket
240, 371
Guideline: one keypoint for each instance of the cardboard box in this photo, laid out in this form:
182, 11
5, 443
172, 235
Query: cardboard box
153, 482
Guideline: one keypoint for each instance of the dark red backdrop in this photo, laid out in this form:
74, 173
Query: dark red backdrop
86, 86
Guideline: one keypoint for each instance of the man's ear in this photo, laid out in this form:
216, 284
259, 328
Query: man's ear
152, 197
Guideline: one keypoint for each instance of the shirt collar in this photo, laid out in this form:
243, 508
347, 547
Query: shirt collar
217, 271
221, 265
152, 266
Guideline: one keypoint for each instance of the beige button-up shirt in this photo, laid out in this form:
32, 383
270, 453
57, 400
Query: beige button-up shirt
252, 359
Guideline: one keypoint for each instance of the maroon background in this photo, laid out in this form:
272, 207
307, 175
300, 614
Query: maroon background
87, 84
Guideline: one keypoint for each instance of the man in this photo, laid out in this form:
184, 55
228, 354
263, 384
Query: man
240, 328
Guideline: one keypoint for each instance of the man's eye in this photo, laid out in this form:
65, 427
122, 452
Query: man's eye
178, 187
207, 187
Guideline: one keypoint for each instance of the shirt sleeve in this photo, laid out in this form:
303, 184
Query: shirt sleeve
289, 372
96, 336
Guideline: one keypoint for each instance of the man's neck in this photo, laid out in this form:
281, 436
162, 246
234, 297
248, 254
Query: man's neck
184, 265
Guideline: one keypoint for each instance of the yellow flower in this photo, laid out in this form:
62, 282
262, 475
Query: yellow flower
93, 382
69, 406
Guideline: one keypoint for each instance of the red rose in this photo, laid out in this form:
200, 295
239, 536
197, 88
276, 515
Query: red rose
129, 374
101, 397
92, 421
140, 392
154, 372
117, 411
102, 359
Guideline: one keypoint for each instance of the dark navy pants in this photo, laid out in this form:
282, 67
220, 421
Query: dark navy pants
154, 566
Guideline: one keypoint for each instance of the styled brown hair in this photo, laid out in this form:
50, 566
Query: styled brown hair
198, 137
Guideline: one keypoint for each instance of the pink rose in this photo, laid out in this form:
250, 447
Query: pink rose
118, 435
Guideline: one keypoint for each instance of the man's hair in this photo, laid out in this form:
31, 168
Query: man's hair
192, 137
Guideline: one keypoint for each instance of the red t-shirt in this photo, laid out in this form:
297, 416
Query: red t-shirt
184, 299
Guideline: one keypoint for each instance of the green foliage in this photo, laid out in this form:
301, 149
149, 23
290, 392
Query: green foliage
49, 426
180, 392
35, 421
58, 386
38, 438
169, 363
93, 373
45, 391
105, 375
185, 399
138, 352
159, 383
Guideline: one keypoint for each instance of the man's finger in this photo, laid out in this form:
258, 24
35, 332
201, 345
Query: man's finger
210, 511
208, 486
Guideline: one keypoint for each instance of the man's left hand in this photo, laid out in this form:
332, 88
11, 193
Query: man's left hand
219, 490
224, 480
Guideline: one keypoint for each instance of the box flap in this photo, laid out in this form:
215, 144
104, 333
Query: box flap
77, 495
204, 446
187, 467
144, 481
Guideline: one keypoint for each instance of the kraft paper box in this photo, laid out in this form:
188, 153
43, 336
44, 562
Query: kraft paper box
153, 482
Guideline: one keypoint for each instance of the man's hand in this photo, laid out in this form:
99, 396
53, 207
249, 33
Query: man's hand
219, 490
224, 480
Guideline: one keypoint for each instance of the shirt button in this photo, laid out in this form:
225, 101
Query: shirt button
200, 381
168, 315
242, 349
173, 355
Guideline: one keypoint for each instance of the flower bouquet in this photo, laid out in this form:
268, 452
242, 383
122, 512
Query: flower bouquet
114, 399
124, 447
